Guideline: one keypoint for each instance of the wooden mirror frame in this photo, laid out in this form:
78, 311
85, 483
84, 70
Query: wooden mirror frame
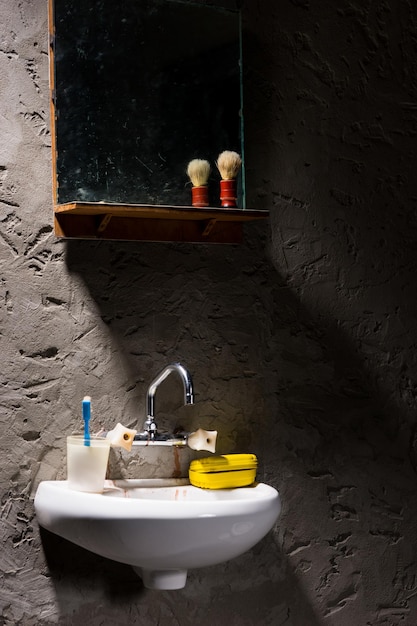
139, 222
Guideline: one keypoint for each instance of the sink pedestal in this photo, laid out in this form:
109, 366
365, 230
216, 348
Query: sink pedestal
167, 579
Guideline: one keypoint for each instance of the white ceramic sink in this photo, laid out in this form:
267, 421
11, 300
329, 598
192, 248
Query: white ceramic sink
162, 527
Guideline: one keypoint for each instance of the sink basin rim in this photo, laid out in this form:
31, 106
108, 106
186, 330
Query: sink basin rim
76, 504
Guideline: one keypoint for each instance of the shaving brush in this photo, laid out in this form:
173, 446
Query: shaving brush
228, 164
198, 171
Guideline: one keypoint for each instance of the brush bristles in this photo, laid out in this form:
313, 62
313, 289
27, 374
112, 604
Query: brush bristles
228, 164
198, 171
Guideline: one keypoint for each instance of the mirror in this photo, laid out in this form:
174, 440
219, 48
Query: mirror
141, 88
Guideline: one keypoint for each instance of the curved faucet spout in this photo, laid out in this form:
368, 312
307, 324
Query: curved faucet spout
150, 425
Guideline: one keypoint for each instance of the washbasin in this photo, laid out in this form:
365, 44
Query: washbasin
161, 527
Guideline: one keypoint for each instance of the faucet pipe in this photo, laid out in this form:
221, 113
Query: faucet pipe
198, 440
150, 425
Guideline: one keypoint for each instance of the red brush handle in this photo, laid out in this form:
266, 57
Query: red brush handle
228, 196
199, 196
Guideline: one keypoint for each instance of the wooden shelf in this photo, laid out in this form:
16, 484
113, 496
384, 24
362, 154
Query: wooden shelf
137, 222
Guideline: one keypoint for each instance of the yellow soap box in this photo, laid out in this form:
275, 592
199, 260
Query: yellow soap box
223, 472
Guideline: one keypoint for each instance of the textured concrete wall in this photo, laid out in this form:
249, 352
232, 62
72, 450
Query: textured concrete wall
301, 341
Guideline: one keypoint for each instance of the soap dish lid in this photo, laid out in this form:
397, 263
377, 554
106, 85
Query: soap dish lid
224, 463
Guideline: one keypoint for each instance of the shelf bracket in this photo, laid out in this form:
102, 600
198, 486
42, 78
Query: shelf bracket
208, 227
104, 223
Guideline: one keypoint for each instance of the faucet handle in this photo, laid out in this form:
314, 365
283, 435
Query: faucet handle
203, 440
121, 436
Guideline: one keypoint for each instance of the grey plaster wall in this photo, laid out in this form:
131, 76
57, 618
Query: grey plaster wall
302, 342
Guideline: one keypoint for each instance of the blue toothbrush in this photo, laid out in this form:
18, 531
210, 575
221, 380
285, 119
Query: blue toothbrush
86, 418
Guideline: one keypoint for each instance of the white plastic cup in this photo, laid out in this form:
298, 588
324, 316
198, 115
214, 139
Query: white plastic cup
87, 465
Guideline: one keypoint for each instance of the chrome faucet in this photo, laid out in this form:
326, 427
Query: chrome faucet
150, 426
198, 440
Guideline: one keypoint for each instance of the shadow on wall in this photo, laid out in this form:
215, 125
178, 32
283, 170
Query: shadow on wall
82, 568
326, 437
204, 306
269, 595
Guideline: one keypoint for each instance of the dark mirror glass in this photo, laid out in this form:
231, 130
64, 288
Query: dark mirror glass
141, 88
